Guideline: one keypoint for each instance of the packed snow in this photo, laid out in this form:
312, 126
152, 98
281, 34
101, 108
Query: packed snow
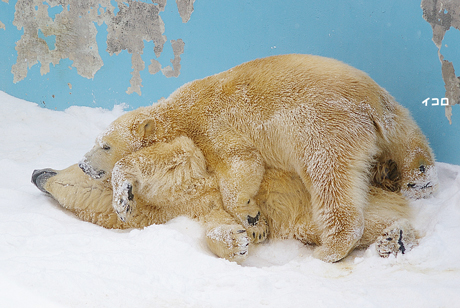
49, 258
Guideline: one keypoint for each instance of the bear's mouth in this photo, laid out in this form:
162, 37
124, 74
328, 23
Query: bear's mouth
418, 191
421, 187
89, 170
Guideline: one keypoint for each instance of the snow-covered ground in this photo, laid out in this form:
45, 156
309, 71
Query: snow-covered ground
49, 258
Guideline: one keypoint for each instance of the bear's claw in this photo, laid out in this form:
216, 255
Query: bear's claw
40, 176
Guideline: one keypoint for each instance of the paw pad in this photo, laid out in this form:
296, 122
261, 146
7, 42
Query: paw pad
252, 221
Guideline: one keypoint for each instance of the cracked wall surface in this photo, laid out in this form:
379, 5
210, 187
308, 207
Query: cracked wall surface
2, 25
73, 34
442, 15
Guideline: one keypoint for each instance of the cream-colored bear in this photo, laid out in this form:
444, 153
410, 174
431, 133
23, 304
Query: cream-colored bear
316, 117
167, 180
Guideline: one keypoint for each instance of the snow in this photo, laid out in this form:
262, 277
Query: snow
49, 258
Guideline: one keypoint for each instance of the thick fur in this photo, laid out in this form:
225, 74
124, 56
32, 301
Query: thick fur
166, 180
406, 162
315, 117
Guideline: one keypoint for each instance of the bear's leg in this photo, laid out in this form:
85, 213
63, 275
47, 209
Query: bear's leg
383, 209
123, 182
239, 177
225, 237
342, 226
339, 195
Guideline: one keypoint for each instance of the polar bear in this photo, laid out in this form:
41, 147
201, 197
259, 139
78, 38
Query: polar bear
316, 117
169, 179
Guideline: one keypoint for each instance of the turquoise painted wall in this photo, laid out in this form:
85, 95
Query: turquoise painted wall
389, 40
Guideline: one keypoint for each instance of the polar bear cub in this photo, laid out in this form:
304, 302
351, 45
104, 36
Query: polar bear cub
315, 117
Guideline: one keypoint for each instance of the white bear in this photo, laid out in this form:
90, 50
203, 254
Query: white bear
166, 180
316, 117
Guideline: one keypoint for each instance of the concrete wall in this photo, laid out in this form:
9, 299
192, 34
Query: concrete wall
106, 52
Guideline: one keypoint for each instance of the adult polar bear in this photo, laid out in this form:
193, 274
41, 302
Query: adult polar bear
314, 116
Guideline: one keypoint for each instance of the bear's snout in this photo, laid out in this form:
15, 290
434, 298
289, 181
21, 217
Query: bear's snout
89, 170
40, 176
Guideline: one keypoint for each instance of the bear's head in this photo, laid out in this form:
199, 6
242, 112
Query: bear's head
168, 173
418, 171
127, 134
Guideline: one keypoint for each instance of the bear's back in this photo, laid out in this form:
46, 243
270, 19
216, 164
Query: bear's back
284, 82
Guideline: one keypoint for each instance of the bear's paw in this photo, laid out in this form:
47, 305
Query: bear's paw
400, 237
123, 200
230, 242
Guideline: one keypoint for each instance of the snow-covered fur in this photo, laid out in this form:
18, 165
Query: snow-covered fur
316, 117
166, 180
405, 155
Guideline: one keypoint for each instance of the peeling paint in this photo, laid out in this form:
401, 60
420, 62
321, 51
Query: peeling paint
74, 31
442, 15
178, 49
2, 25
136, 81
71, 34
135, 23
185, 8
154, 67
452, 85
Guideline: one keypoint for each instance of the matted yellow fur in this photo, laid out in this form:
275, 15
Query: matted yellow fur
171, 179
316, 117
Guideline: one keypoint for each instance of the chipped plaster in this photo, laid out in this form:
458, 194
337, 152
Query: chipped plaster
2, 25
74, 30
185, 8
442, 15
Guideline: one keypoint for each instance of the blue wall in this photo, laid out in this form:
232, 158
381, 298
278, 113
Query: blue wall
389, 40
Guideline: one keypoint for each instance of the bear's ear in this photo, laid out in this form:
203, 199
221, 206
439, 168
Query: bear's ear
149, 130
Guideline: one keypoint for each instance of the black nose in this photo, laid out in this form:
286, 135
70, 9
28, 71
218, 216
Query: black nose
411, 185
40, 176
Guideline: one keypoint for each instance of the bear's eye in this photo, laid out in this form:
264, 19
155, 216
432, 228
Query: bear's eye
422, 168
106, 147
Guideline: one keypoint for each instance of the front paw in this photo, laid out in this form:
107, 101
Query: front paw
230, 242
257, 228
400, 237
253, 221
123, 200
